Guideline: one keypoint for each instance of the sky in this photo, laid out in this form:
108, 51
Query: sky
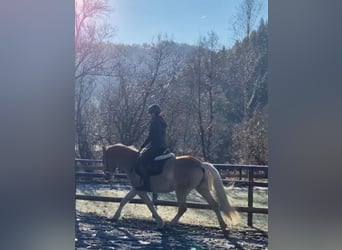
140, 21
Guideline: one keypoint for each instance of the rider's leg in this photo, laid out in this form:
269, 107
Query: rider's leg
146, 161
142, 169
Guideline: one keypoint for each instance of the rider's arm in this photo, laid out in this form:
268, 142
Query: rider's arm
148, 139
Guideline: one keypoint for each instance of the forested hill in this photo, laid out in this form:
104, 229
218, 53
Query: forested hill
214, 99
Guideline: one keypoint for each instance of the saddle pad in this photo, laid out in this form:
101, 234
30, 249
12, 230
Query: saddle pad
163, 157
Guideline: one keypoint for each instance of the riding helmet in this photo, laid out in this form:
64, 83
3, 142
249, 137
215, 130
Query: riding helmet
154, 108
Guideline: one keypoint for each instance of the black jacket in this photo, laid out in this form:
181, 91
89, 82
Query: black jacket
157, 133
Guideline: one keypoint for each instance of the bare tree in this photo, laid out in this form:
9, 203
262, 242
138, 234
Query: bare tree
204, 72
91, 59
246, 18
247, 65
140, 81
91, 32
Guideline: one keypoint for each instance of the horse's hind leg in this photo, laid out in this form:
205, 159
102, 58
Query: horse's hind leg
181, 199
205, 192
123, 202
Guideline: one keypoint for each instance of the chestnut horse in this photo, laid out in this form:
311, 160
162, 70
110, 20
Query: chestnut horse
180, 174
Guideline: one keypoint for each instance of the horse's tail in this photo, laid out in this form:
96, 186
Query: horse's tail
216, 187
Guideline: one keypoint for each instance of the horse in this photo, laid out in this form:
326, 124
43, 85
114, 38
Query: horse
181, 174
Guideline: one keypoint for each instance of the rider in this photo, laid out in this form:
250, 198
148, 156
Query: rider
155, 144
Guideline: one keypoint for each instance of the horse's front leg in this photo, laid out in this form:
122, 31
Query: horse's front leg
149, 203
123, 202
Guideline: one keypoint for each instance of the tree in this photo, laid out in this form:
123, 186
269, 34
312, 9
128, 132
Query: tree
139, 82
204, 72
91, 32
246, 18
248, 71
214, 99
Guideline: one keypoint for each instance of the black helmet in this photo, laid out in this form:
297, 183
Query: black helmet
154, 108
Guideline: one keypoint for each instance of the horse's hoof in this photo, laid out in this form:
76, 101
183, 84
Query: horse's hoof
172, 223
160, 225
114, 219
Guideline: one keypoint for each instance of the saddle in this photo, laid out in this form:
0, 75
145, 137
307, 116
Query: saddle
156, 166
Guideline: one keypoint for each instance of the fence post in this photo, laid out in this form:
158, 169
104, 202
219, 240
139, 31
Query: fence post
250, 195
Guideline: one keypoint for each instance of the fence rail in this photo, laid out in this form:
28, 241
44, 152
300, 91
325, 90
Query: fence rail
250, 169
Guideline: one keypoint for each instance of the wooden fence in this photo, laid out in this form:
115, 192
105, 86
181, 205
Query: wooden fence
94, 169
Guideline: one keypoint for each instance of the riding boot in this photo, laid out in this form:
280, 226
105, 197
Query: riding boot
146, 182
